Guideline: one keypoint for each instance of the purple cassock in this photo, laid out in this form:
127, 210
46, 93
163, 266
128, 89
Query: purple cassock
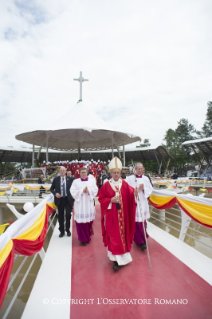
139, 237
84, 231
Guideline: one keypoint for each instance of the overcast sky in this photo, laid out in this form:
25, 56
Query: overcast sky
149, 63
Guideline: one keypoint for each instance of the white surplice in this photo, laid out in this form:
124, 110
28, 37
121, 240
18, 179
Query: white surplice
143, 195
84, 203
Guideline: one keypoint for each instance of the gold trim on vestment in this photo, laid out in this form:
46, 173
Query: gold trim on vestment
121, 220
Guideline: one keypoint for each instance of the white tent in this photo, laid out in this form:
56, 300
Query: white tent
79, 128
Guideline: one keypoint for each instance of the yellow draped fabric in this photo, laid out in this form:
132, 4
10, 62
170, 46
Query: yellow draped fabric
37, 187
160, 200
33, 232
201, 212
4, 253
2, 228
3, 188
46, 187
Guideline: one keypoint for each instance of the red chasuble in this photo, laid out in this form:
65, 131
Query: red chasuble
118, 226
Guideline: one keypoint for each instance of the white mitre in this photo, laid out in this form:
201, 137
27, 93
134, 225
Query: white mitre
115, 163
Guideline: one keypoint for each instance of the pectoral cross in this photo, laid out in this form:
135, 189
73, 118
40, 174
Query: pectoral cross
80, 79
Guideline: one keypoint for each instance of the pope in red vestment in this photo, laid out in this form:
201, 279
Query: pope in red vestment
118, 207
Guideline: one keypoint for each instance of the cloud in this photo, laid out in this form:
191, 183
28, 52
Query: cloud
148, 63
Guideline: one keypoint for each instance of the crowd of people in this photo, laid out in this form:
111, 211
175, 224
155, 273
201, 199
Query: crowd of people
123, 203
95, 168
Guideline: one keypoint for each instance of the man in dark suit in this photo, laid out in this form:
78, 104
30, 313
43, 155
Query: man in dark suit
62, 198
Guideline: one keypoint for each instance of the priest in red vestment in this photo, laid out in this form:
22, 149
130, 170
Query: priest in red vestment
118, 207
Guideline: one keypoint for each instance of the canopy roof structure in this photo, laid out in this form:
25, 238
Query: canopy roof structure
79, 128
204, 145
24, 155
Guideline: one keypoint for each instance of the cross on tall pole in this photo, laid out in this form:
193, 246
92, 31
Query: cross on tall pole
80, 79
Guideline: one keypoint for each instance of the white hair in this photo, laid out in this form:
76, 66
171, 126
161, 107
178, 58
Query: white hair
136, 165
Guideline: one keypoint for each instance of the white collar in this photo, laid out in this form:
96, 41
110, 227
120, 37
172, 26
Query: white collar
115, 183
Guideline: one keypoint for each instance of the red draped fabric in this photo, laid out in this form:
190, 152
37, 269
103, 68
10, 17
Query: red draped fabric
170, 204
5, 272
31, 247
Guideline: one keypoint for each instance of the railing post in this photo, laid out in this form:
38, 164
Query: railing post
185, 221
1, 215
42, 254
161, 214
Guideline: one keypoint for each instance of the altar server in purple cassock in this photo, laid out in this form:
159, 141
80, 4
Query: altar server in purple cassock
145, 189
84, 190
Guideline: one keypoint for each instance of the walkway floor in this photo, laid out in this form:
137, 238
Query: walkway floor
93, 278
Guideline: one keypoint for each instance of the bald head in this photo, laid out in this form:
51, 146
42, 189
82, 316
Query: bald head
139, 169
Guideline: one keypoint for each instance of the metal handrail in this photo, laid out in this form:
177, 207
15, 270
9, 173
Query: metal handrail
19, 288
16, 273
165, 223
175, 209
168, 219
198, 240
197, 231
51, 222
174, 214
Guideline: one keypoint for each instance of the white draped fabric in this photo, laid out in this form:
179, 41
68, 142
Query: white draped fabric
131, 180
84, 203
22, 224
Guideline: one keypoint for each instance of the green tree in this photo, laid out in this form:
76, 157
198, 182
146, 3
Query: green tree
145, 143
172, 143
207, 126
174, 139
185, 131
174, 147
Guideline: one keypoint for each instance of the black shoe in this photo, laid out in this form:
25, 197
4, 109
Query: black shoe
68, 233
84, 244
143, 246
116, 266
61, 235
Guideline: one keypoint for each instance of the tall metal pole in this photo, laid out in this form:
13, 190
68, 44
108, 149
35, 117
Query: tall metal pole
47, 158
124, 155
112, 147
33, 156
